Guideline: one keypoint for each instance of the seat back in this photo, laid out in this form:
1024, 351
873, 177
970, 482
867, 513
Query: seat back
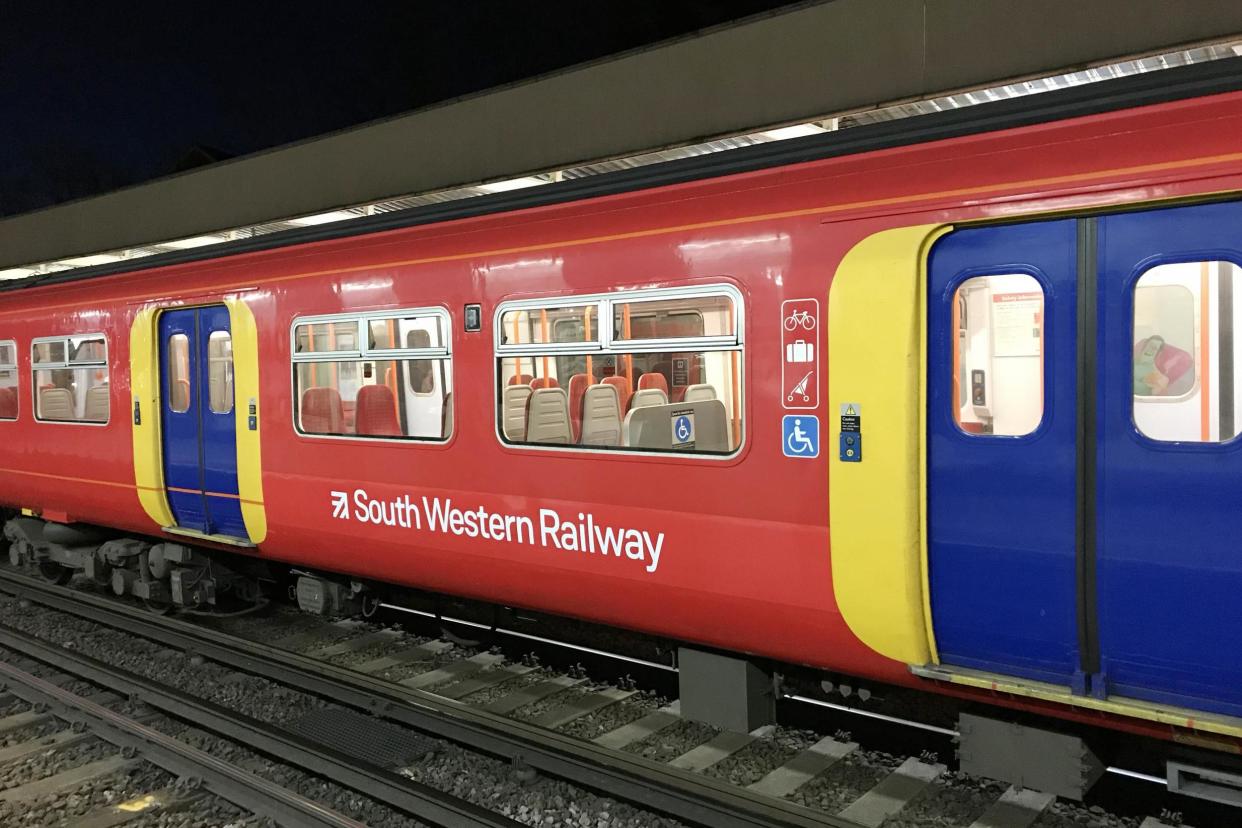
56, 404
544, 382
513, 412
700, 391
322, 411
577, 387
622, 384
601, 418
96, 410
8, 403
520, 379
648, 396
547, 416
653, 380
376, 414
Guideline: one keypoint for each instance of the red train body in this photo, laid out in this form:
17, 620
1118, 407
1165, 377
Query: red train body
745, 555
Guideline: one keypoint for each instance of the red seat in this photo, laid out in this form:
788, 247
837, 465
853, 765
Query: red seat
8, 403
577, 388
653, 380
376, 412
624, 393
520, 379
322, 411
545, 382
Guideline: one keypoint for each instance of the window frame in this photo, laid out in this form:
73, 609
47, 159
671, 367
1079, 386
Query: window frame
15, 368
604, 344
365, 353
68, 364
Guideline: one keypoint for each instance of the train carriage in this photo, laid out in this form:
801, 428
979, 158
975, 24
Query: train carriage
958, 414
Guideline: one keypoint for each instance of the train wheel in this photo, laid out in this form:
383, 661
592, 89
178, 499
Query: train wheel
54, 572
158, 607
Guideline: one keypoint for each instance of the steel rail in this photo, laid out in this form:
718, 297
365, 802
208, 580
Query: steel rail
652, 785
398, 792
244, 789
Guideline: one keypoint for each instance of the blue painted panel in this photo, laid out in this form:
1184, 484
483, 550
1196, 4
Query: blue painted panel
219, 434
1170, 559
180, 431
200, 444
1001, 510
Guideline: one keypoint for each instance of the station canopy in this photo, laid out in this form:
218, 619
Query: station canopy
130, 211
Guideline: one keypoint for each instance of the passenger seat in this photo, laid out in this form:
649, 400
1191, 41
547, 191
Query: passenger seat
8, 403
96, 405
56, 403
622, 384
446, 419
577, 389
322, 412
513, 412
648, 396
377, 412
601, 419
699, 392
547, 416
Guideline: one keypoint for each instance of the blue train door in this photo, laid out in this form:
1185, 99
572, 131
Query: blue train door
1001, 440
199, 433
1169, 532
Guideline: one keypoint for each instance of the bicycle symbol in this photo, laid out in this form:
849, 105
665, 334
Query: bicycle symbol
800, 317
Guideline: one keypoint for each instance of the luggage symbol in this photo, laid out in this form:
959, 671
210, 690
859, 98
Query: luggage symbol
800, 351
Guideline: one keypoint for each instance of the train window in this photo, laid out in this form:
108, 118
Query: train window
393, 381
179, 373
664, 377
998, 354
71, 379
1185, 355
549, 324
220, 372
8, 380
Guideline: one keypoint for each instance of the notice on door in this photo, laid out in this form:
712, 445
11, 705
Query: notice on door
1017, 324
800, 353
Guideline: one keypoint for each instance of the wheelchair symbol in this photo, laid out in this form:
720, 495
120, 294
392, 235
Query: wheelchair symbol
683, 429
800, 436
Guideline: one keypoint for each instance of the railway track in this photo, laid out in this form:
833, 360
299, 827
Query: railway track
607, 738
81, 757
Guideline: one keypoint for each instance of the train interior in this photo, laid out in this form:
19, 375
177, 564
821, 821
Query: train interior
1182, 385
8, 381
668, 376
71, 378
354, 391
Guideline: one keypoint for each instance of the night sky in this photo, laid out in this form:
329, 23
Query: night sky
95, 96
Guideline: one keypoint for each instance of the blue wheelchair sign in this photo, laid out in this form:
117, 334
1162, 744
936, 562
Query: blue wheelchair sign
800, 435
683, 428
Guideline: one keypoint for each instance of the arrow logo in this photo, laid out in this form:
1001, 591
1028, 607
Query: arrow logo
340, 505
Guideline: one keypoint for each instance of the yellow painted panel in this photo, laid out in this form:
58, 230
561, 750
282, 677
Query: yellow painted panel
246, 389
875, 359
144, 374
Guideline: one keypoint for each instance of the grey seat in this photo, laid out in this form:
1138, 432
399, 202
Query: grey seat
547, 416
648, 396
601, 422
96, 405
513, 412
699, 392
56, 404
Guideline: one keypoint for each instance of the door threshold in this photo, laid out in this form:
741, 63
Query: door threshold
1182, 717
197, 535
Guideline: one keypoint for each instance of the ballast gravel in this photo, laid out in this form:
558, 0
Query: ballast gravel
516, 792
